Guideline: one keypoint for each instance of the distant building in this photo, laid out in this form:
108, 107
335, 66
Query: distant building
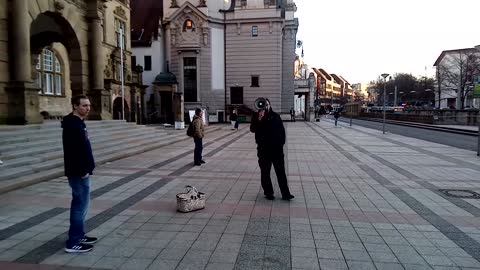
456, 72
225, 54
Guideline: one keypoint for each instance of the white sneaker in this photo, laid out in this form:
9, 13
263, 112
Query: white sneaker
80, 248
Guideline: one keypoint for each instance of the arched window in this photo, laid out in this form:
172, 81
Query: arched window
188, 26
49, 74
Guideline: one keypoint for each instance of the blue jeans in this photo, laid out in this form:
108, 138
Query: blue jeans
78, 209
197, 153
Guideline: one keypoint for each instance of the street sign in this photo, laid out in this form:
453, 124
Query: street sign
476, 91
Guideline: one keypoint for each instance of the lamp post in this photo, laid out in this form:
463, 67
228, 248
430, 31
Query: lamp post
384, 75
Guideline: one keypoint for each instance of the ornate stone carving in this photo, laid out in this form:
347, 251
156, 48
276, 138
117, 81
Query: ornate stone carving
79, 3
205, 35
120, 12
203, 3
173, 4
59, 5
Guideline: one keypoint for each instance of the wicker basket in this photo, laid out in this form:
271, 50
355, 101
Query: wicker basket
190, 200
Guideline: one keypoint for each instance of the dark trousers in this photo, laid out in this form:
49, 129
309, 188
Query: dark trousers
266, 157
197, 153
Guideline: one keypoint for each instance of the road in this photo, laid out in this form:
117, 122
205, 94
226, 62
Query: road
446, 138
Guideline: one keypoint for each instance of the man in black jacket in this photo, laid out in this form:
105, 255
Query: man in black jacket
270, 138
79, 165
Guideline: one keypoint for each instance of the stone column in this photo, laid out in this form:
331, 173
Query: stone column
21, 41
23, 107
98, 95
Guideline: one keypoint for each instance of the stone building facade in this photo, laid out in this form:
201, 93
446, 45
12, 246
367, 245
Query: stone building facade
53, 49
225, 54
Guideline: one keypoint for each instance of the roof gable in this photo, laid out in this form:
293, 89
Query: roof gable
187, 8
444, 53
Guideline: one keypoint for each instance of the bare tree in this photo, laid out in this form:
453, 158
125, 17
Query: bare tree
458, 70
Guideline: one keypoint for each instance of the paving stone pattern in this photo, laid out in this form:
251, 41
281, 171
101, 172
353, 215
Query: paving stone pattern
364, 200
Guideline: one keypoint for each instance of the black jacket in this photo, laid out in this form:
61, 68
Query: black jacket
77, 150
269, 132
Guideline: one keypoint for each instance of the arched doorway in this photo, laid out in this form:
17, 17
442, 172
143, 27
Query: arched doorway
53, 40
117, 109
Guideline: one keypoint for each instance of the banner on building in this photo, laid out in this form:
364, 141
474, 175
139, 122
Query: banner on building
476, 88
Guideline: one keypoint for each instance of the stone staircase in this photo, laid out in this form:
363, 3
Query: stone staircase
34, 153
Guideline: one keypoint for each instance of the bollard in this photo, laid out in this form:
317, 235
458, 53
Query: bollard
351, 118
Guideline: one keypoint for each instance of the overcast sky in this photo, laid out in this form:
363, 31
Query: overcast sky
360, 39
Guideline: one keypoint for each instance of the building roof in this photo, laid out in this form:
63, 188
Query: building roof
323, 73
466, 50
144, 21
165, 78
337, 79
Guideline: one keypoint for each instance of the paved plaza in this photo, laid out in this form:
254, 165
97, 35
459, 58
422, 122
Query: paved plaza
363, 200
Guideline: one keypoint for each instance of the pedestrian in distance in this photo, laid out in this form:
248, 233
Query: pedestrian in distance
198, 135
79, 165
336, 115
234, 119
270, 138
292, 114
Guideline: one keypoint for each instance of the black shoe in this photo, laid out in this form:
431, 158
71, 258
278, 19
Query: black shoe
197, 164
270, 197
79, 248
288, 197
88, 240
202, 161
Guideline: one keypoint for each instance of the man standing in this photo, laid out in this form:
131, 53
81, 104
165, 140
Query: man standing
292, 114
270, 138
198, 134
79, 165
336, 115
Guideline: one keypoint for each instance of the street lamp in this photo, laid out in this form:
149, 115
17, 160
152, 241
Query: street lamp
384, 75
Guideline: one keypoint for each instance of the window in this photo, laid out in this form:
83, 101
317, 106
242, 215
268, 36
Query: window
148, 62
254, 31
120, 33
134, 61
188, 26
190, 78
255, 81
243, 3
49, 74
236, 95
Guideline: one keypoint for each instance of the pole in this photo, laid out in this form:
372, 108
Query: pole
351, 117
384, 95
385, 75
121, 73
478, 143
395, 97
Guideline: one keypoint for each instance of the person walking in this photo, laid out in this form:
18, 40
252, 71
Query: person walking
270, 138
336, 115
234, 119
79, 165
292, 114
198, 135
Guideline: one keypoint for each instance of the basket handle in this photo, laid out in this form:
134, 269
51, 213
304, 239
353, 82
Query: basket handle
191, 189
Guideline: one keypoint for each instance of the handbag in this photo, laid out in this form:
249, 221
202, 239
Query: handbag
190, 200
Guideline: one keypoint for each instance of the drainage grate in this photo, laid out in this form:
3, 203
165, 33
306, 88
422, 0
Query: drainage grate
460, 193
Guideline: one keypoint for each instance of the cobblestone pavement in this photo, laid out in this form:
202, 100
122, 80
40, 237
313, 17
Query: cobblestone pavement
363, 201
